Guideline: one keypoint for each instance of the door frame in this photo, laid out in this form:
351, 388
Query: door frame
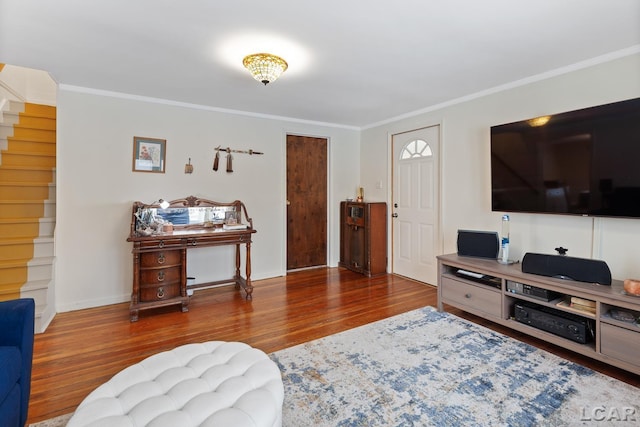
330, 205
390, 230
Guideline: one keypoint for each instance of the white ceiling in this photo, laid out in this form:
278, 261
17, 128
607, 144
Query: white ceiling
351, 62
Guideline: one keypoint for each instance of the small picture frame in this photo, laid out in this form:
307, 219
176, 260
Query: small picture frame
232, 217
149, 154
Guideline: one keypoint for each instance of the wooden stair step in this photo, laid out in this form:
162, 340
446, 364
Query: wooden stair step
24, 273
18, 248
39, 110
24, 158
20, 271
27, 208
10, 291
24, 190
31, 146
25, 290
29, 134
42, 174
26, 227
14, 227
13, 271
28, 262
32, 122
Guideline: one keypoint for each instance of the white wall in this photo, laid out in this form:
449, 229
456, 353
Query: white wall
465, 164
96, 187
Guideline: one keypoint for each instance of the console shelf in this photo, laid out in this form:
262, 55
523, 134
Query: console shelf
523, 302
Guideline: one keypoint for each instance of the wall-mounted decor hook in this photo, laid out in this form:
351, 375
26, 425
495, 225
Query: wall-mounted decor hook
188, 168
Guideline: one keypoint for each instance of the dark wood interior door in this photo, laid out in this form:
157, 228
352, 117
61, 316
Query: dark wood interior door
306, 202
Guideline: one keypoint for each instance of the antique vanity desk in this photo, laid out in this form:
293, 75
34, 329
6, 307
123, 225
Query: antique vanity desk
161, 238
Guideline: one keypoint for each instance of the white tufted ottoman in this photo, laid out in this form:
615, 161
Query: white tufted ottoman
209, 384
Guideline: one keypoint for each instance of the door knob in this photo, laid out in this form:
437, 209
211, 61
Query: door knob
288, 202
394, 215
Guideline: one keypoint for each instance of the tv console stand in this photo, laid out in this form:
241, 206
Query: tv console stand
495, 292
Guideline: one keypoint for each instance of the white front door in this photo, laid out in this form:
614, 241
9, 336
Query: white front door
415, 203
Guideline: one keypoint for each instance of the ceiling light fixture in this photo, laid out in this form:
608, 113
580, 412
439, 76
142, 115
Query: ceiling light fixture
539, 121
265, 67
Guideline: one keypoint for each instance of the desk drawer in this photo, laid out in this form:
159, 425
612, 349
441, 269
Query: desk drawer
620, 343
160, 258
479, 298
162, 243
159, 292
160, 275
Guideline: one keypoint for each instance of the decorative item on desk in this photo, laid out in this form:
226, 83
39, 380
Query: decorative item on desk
360, 195
188, 168
148, 222
208, 223
232, 221
163, 204
231, 217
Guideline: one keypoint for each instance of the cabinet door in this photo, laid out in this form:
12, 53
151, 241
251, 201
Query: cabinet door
376, 242
357, 248
619, 343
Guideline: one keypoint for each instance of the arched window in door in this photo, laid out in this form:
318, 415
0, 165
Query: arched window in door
415, 149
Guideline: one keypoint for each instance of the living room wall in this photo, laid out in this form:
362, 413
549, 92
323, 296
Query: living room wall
465, 162
96, 186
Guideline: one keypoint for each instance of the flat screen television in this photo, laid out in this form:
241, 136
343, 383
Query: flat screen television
584, 162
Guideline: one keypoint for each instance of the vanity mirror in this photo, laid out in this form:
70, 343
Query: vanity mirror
187, 213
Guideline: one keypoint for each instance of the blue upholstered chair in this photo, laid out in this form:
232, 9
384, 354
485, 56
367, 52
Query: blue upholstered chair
16, 356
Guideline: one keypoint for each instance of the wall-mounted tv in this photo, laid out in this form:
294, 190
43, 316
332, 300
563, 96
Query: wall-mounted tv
584, 162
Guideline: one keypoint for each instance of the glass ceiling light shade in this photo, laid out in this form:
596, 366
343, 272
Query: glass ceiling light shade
539, 121
265, 67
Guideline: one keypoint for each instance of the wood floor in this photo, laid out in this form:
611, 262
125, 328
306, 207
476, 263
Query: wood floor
82, 349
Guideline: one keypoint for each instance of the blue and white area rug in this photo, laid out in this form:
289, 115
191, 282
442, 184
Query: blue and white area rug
425, 368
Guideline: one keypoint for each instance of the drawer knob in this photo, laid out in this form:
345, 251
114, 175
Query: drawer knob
467, 295
160, 293
161, 258
161, 276
161, 244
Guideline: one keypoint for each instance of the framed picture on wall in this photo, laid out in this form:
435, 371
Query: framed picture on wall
149, 154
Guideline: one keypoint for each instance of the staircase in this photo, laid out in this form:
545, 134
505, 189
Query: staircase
27, 205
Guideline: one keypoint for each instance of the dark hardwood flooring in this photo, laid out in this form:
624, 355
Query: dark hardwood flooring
82, 349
